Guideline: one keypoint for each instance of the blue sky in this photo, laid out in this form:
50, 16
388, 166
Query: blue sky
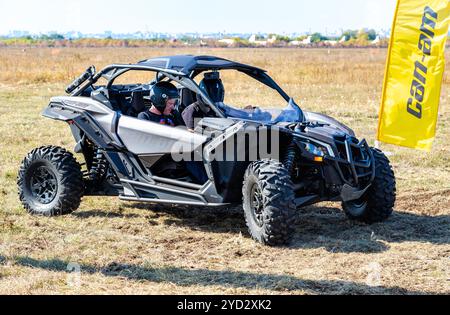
173, 16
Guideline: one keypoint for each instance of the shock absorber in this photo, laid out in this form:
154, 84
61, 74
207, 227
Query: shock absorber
290, 158
99, 166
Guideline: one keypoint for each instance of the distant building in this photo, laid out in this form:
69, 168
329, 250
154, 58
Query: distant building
306, 41
227, 41
272, 39
259, 40
331, 42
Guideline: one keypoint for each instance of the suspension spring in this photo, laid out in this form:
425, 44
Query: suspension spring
291, 158
99, 166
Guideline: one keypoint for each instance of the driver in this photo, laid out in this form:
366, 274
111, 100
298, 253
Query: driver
164, 97
212, 85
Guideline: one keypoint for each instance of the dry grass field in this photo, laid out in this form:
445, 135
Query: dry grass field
132, 248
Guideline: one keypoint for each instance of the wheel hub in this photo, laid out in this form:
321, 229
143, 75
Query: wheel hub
44, 185
257, 204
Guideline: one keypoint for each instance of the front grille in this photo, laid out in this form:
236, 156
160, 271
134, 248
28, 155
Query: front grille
354, 160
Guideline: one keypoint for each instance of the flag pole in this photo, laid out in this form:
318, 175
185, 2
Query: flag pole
377, 145
386, 72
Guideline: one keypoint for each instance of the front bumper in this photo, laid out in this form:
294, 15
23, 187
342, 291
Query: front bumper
354, 161
349, 171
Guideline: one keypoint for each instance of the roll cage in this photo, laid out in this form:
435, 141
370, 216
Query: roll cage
181, 69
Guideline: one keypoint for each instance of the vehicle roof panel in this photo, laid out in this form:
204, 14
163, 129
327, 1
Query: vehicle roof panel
188, 63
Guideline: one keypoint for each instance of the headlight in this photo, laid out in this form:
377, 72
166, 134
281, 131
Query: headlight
314, 149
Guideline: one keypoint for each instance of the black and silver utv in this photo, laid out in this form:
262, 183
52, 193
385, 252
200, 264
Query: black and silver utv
312, 157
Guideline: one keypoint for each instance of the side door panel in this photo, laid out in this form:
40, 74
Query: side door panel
143, 137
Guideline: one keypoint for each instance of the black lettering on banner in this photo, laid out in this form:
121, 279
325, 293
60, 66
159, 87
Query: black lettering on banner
418, 85
415, 112
429, 22
423, 72
425, 44
417, 90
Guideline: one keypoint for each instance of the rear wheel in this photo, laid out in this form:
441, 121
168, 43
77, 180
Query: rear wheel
268, 201
377, 205
50, 182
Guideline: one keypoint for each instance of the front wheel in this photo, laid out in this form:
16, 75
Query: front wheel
50, 182
377, 205
268, 202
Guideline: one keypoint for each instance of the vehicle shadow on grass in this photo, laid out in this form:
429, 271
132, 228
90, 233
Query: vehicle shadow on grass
203, 277
330, 228
103, 214
318, 227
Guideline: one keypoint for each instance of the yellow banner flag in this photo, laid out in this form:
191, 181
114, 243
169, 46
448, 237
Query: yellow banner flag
415, 66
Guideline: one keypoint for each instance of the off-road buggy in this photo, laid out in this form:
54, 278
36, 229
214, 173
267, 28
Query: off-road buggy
317, 158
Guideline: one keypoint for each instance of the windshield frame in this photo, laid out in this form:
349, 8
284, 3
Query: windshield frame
112, 72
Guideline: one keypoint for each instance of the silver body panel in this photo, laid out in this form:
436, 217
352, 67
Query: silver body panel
324, 119
144, 137
105, 116
138, 136
83, 103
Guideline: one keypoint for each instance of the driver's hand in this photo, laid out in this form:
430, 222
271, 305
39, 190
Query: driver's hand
251, 108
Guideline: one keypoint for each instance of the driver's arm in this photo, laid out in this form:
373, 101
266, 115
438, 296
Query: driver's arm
188, 117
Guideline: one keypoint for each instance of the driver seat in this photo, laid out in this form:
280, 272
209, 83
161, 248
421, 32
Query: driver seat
137, 105
187, 98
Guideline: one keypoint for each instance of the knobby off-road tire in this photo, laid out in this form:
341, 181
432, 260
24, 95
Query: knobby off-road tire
50, 182
378, 203
268, 202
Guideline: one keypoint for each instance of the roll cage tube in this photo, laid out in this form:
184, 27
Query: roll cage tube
192, 85
182, 80
258, 75
264, 78
115, 71
112, 72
